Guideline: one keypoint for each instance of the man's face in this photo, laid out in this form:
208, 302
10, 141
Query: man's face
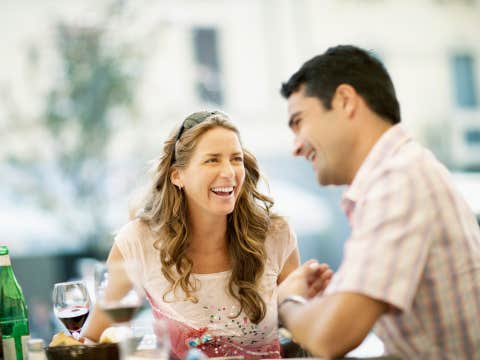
321, 136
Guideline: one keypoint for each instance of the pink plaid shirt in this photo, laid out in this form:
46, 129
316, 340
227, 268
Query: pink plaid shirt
415, 244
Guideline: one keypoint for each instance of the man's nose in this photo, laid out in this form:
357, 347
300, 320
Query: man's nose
297, 147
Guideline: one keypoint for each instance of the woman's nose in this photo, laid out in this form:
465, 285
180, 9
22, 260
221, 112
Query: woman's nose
227, 170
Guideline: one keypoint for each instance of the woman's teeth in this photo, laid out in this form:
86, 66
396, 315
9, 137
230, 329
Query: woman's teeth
222, 190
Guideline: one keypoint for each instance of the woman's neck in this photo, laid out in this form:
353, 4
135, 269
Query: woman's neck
208, 234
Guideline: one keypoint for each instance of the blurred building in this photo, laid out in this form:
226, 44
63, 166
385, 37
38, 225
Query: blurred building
234, 55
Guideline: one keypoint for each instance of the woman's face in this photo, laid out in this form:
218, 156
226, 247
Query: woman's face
214, 175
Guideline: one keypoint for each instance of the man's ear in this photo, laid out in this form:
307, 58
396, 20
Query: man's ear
175, 178
346, 99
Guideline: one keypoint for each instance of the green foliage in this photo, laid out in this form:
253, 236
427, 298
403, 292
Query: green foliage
94, 80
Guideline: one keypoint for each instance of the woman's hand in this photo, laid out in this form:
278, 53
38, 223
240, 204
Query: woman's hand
308, 281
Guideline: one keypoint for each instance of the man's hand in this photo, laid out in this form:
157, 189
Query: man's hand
308, 281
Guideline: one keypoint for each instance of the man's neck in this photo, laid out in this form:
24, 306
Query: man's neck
366, 141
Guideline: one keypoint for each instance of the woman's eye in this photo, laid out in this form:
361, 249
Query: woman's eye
210, 161
238, 158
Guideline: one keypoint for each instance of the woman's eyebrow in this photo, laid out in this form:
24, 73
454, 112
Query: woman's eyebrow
219, 154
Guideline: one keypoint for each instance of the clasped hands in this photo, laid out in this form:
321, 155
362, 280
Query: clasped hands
308, 281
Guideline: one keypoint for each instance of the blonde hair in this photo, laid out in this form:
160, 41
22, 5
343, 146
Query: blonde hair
165, 212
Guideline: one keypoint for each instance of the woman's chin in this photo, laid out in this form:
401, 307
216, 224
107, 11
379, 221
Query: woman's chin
223, 211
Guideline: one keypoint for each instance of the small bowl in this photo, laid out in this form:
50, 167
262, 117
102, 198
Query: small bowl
83, 352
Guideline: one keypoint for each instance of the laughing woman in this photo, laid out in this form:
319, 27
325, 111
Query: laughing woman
212, 253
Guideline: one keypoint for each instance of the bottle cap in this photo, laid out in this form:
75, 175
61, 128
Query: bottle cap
3, 250
36, 344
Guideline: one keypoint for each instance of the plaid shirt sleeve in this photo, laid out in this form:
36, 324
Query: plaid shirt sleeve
391, 236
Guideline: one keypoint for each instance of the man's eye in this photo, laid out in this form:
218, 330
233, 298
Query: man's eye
210, 161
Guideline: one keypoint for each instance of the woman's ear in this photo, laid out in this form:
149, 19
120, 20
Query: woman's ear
175, 178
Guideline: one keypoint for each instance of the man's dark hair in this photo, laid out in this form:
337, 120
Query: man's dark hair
347, 64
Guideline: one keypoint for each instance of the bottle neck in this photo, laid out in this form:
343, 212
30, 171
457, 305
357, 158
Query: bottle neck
5, 260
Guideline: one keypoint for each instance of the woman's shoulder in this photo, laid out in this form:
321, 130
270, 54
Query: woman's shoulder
278, 226
134, 240
133, 230
280, 242
280, 232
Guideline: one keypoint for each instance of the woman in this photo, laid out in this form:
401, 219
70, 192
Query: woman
211, 252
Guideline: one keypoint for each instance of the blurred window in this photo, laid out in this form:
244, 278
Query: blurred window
464, 81
208, 78
472, 136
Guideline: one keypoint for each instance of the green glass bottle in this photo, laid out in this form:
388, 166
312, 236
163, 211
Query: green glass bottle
1, 345
13, 312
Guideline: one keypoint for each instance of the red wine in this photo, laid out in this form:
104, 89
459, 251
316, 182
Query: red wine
120, 313
74, 317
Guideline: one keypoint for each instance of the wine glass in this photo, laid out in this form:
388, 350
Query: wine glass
148, 342
71, 305
116, 294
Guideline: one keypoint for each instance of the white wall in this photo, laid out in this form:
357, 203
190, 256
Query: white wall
261, 44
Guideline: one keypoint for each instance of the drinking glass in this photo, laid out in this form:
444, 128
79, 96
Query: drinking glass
147, 342
115, 292
71, 305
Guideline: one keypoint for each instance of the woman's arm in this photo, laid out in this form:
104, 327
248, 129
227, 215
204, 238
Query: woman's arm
120, 283
292, 263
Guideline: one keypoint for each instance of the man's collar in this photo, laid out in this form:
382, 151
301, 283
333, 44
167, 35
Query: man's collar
385, 145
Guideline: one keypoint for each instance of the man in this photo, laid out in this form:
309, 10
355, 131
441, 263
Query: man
411, 266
